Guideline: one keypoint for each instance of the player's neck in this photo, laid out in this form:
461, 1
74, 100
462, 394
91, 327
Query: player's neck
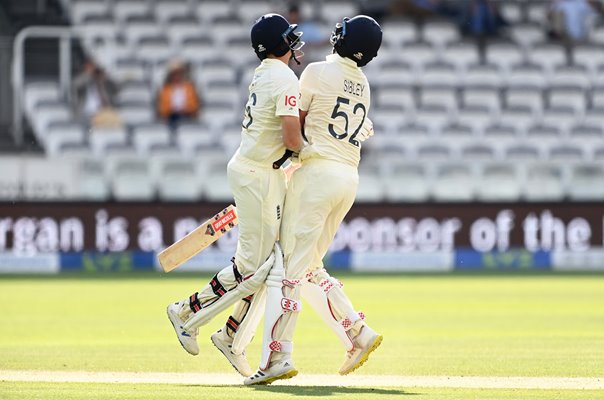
284, 58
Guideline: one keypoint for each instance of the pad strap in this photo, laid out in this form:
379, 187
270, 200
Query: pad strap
232, 324
194, 303
348, 322
291, 305
281, 346
217, 287
236, 273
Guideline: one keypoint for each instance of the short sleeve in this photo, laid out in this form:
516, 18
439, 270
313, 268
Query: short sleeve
286, 97
308, 85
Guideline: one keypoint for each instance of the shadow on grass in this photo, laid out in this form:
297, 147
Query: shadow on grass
318, 391
330, 390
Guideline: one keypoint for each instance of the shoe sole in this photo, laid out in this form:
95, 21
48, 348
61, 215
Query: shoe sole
229, 360
376, 343
286, 375
175, 331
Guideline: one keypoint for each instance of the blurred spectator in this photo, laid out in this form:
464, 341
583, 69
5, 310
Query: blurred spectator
178, 99
570, 19
93, 95
313, 36
312, 31
481, 18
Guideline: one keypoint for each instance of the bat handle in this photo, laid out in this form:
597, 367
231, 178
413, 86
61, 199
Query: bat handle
277, 164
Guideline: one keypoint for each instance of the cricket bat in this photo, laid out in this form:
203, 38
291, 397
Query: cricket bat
199, 239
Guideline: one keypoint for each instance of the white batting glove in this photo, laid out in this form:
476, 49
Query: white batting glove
366, 130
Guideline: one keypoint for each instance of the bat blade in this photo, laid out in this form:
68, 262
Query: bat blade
198, 239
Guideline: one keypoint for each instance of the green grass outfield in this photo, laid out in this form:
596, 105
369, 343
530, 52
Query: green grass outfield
530, 325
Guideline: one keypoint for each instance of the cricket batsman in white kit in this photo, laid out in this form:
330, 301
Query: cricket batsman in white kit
334, 103
270, 127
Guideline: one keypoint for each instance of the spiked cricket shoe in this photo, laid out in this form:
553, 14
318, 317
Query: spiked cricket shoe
364, 344
280, 370
188, 340
224, 343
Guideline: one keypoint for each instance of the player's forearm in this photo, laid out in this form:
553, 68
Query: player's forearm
292, 135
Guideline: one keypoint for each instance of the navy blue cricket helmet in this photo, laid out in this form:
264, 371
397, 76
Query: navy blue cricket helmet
357, 38
273, 34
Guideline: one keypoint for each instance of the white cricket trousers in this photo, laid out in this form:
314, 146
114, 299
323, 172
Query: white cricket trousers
259, 193
318, 198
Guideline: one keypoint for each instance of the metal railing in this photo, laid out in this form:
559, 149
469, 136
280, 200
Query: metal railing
64, 36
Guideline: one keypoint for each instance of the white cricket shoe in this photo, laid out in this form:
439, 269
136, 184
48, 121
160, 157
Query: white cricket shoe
284, 369
364, 344
188, 340
224, 343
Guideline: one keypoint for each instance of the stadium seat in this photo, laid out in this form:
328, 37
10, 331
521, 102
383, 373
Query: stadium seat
511, 12
394, 73
208, 11
481, 76
454, 182
537, 12
124, 10
179, 181
47, 113
129, 70
38, 92
198, 49
431, 151
434, 117
457, 133
136, 114
216, 184
547, 55
225, 29
481, 97
462, 55
439, 74
147, 135
336, 10
132, 180
440, 33
397, 33
91, 182
478, 151
527, 34
80, 9
499, 182
585, 183
418, 54
566, 152
155, 49
11, 178
528, 97
191, 137
568, 98
371, 187
526, 75
49, 179
413, 134
135, 92
522, 152
504, 55
166, 10
249, 11
559, 116
60, 134
438, 96
520, 117
544, 183
390, 116
476, 117
101, 138
406, 183
589, 56
571, 76
396, 96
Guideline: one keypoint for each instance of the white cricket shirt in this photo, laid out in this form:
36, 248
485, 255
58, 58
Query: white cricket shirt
274, 93
335, 93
